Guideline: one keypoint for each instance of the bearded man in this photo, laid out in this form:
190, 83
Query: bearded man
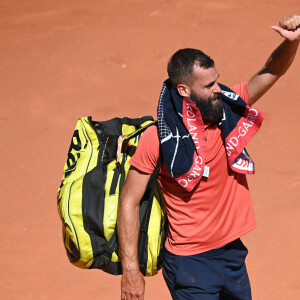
203, 128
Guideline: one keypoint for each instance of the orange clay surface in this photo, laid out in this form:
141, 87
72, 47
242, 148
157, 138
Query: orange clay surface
61, 60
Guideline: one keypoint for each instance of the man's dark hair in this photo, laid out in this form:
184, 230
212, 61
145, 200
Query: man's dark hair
181, 65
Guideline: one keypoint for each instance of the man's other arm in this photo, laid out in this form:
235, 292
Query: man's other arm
132, 282
279, 61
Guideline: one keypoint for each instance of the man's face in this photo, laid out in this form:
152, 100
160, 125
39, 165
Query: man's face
205, 92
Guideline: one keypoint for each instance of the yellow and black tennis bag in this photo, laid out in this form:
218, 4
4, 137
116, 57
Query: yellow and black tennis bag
94, 174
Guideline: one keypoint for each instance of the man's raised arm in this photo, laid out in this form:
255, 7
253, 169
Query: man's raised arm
132, 282
279, 61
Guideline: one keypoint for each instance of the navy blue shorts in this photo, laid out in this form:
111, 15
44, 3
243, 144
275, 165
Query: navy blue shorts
217, 274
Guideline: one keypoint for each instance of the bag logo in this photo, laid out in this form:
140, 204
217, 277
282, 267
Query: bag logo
73, 154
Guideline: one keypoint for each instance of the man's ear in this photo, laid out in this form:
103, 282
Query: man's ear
184, 90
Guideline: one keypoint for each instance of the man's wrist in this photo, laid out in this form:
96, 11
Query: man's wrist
295, 41
131, 270
130, 266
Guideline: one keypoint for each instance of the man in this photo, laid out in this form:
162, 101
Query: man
205, 258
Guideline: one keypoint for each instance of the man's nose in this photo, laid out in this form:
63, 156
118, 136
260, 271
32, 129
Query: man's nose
216, 89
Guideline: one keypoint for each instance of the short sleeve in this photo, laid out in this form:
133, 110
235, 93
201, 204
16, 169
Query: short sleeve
147, 153
242, 90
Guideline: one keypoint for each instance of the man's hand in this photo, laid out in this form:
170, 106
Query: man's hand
289, 28
279, 61
132, 285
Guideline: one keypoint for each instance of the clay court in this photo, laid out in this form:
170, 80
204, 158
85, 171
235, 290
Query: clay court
61, 60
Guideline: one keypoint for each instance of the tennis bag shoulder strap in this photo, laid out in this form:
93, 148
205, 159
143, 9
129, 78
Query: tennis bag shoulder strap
94, 174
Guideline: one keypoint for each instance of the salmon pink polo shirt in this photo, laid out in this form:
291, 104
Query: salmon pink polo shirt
217, 211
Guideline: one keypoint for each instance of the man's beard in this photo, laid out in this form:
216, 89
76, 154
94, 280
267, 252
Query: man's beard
211, 113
